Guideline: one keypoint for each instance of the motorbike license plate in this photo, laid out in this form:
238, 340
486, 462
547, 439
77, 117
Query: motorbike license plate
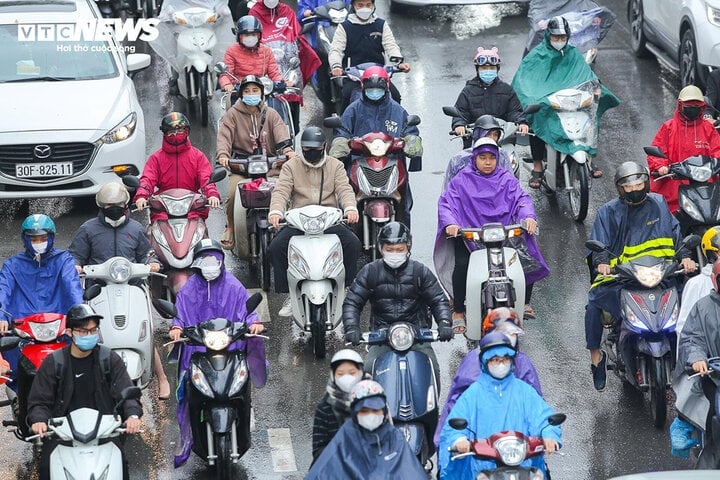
63, 169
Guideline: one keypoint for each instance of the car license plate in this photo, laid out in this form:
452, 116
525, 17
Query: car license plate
29, 170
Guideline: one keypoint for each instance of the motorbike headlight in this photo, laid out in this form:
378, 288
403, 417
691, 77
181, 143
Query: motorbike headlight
120, 270
313, 225
401, 337
633, 319
257, 168
323, 36
177, 207
337, 16
45, 332
689, 207
511, 450
333, 260
199, 233
200, 382
298, 262
194, 17
241, 375
121, 131
493, 234
649, 276
700, 173
377, 147
672, 319
392, 182
216, 340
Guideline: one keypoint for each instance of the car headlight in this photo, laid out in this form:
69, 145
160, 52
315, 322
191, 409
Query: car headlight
333, 260
700, 173
200, 382
121, 131
493, 234
377, 147
713, 15
120, 270
177, 207
45, 332
216, 340
401, 337
313, 225
257, 168
298, 262
392, 182
241, 374
649, 276
689, 207
511, 450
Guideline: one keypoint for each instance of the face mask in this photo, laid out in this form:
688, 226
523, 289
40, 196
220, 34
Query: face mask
691, 113
374, 94
250, 42
635, 197
210, 272
394, 260
499, 371
346, 382
271, 3
114, 213
313, 155
252, 100
364, 13
40, 248
558, 45
177, 139
85, 343
370, 421
487, 76
115, 223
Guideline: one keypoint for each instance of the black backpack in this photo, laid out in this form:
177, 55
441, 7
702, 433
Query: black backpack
104, 356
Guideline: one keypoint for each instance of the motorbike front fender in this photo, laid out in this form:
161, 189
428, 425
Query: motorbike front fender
414, 434
222, 419
91, 463
133, 362
316, 291
581, 156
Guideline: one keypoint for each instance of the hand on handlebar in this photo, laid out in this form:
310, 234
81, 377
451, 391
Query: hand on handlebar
39, 428
460, 131
688, 265
336, 72
404, 67
229, 88
700, 367
132, 425
530, 225
462, 445
452, 230
141, 203
274, 220
214, 202
523, 129
551, 446
352, 216
175, 333
603, 269
663, 171
256, 328
4, 327
224, 161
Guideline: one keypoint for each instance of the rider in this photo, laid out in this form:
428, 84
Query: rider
496, 401
305, 9
367, 445
212, 292
249, 127
113, 233
486, 94
177, 164
40, 279
55, 394
363, 38
636, 221
685, 135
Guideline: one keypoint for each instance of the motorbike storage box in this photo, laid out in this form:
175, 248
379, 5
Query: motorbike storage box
254, 196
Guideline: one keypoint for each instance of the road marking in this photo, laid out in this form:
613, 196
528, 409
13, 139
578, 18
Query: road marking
281, 450
263, 310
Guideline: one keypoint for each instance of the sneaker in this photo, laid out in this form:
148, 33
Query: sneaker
599, 372
286, 309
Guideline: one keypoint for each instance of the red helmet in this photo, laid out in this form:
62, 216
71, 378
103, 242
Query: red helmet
375, 77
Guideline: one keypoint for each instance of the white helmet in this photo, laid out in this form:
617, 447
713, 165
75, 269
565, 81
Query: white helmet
112, 194
346, 355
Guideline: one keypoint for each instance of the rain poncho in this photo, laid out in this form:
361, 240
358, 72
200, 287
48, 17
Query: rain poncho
463, 157
695, 289
545, 71
490, 406
197, 301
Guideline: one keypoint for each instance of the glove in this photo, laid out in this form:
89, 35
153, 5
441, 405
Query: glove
340, 147
445, 333
280, 86
413, 146
352, 335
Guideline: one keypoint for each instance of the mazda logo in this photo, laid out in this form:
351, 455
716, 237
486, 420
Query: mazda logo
42, 151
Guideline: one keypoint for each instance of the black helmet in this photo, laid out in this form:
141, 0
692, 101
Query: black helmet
487, 123
247, 24
393, 233
174, 121
252, 79
558, 26
312, 137
206, 245
80, 314
631, 173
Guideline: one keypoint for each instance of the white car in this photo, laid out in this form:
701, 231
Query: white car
70, 119
683, 35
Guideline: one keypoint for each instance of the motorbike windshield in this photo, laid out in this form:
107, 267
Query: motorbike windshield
576, 108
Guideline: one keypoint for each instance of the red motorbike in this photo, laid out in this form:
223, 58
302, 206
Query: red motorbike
37, 336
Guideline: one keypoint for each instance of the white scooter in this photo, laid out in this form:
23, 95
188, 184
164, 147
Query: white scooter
127, 326
316, 274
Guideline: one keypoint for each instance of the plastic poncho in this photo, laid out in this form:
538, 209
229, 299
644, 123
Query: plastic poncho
490, 406
695, 288
471, 200
358, 454
543, 72
199, 300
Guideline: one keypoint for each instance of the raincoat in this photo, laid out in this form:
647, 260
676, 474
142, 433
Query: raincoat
679, 139
589, 23
199, 300
543, 72
357, 454
695, 288
490, 406
463, 157
472, 200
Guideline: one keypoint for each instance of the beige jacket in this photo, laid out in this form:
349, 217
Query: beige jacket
239, 129
299, 185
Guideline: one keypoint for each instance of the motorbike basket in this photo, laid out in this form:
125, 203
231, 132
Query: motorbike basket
255, 198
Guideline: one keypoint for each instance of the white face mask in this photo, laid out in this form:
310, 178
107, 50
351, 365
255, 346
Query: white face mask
394, 260
271, 3
364, 13
371, 421
558, 45
250, 41
40, 248
115, 223
499, 371
210, 272
346, 382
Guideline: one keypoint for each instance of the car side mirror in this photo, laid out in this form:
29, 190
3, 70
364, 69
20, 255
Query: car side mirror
691, 241
413, 120
253, 302
220, 68
557, 419
532, 108
332, 122
9, 343
131, 182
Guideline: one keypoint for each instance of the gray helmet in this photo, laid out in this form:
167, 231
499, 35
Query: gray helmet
207, 245
112, 194
252, 79
631, 173
312, 137
558, 26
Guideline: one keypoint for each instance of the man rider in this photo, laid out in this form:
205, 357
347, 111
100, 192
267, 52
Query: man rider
636, 221
313, 178
83, 382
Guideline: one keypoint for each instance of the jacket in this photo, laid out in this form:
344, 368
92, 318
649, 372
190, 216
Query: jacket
328, 420
396, 295
363, 116
48, 399
243, 61
96, 242
350, 40
301, 183
695, 288
497, 99
240, 129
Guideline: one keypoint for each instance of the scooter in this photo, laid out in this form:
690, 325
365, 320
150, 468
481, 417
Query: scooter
354, 74
218, 392
316, 274
495, 272
409, 382
379, 177
85, 448
641, 344
508, 450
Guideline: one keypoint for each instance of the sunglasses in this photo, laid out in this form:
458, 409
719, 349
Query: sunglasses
487, 60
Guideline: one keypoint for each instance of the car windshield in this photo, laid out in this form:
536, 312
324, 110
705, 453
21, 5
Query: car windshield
31, 61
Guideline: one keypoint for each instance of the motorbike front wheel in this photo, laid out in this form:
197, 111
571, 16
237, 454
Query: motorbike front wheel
579, 191
264, 260
223, 462
658, 405
317, 329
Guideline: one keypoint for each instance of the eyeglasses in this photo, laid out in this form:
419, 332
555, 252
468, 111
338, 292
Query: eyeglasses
487, 60
499, 360
86, 331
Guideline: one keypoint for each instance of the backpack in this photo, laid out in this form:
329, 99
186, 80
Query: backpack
104, 356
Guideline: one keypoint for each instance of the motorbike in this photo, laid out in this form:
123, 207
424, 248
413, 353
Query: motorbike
508, 450
174, 235
641, 346
218, 392
37, 336
354, 74
379, 177
316, 273
125, 305
85, 448
409, 382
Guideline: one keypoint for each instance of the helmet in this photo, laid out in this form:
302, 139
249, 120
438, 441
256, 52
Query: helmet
691, 93
499, 315
346, 355
207, 245
484, 124
38, 224
369, 393
485, 144
247, 24
375, 77
393, 233
80, 314
312, 137
112, 194
558, 26
631, 173
487, 57
495, 344
174, 121
711, 244
251, 79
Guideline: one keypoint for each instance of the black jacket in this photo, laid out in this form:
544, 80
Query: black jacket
497, 99
48, 399
402, 294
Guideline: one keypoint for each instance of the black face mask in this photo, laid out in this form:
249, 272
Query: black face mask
114, 213
691, 113
635, 197
314, 155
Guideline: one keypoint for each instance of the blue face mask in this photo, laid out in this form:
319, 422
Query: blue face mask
86, 343
487, 76
252, 100
374, 93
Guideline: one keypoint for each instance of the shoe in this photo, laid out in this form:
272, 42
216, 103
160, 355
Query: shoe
528, 312
163, 390
286, 309
599, 372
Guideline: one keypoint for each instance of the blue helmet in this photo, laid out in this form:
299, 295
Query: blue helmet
495, 344
38, 224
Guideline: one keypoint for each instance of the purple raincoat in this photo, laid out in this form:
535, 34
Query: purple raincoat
199, 300
469, 371
472, 200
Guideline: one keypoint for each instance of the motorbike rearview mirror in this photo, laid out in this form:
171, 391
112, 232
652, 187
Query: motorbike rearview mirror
451, 111
691, 241
131, 393
253, 302
557, 419
458, 423
220, 67
332, 122
654, 151
532, 108
307, 26
412, 120
595, 246
396, 59
92, 291
8, 343
165, 309
217, 175
131, 181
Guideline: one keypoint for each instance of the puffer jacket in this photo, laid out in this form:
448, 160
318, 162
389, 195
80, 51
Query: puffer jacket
240, 128
497, 99
243, 61
402, 294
